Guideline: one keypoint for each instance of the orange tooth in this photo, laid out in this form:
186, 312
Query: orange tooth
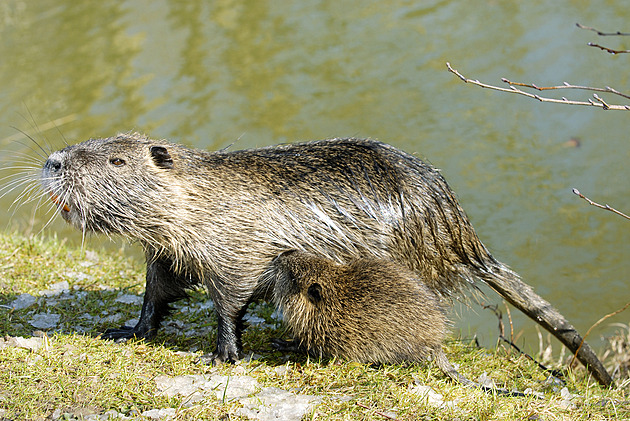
56, 200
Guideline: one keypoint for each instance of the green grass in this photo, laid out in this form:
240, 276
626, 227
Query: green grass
74, 373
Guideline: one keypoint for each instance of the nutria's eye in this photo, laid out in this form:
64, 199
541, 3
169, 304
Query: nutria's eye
117, 162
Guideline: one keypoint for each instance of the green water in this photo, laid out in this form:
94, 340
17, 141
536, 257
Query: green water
215, 73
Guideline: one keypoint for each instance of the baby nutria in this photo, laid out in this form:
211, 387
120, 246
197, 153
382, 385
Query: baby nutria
219, 218
370, 311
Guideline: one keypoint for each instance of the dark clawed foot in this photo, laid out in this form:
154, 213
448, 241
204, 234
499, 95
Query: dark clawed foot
218, 358
284, 346
123, 334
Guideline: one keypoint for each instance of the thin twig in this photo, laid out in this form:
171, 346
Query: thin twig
608, 50
604, 34
605, 207
600, 33
592, 327
377, 412
598, 102
566, 85
497, 312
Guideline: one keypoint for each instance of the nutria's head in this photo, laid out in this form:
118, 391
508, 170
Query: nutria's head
302, 278
105, 185
308, 294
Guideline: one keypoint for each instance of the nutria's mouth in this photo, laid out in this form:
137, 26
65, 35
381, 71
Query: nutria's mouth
64, 207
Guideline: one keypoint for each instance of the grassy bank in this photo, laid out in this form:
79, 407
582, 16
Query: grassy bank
65, 297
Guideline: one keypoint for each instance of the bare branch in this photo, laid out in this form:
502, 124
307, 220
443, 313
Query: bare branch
604, 34
606, 207
600, 33
566, 85
598, 102
609, 50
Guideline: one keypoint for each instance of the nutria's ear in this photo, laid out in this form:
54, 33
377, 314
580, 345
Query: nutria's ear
161, 157
285, 253
314, 293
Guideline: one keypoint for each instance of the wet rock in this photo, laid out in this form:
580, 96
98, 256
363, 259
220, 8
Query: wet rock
253, 319
23, 301
130, 299
45, 320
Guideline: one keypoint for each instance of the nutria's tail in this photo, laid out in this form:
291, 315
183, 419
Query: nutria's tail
447, 368
508, 284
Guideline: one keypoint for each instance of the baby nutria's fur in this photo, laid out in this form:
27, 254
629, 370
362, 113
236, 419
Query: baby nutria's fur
369, 310
219, 218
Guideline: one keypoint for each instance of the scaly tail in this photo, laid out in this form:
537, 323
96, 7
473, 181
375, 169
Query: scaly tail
508, 284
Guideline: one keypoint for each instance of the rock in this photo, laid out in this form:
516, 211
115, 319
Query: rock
156, 414
56, 289
130, 299
23, 301
45, 320
432, 397
273, 404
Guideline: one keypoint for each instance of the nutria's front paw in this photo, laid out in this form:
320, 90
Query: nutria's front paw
285, 346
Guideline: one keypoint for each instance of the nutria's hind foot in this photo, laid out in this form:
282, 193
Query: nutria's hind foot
217, 358
124, 333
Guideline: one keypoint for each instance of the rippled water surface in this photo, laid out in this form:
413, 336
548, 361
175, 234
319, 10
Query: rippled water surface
215, 73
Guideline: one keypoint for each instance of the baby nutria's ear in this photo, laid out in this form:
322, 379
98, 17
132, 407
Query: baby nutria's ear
161, 157
314, 293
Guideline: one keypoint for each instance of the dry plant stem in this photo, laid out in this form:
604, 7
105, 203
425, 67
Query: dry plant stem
556, 373
606, 207
377, 412
509, 314
595, 325
598, 102
600, 33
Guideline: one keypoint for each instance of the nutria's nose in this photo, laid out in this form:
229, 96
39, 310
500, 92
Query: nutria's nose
53, 163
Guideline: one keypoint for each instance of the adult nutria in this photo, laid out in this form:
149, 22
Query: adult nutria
219, 218
370, 311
